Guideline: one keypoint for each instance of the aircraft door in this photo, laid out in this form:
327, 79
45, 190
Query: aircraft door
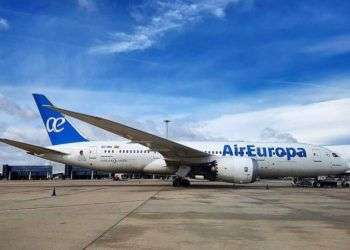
93, 153
316, 155
82, 155
318, 158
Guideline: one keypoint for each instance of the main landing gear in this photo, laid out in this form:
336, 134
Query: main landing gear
180, 177
181, 182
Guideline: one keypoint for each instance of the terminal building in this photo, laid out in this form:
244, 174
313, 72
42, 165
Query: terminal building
23, 172
45, 172
73, 172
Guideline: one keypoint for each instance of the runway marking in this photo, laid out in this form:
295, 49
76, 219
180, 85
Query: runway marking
61, 195
122, 219
310, 213
63, 206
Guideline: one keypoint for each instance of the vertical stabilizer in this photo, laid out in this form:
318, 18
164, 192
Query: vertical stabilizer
59, 129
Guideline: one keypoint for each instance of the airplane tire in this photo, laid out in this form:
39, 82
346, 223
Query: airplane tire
176, 182
345, 185
185, 183
316, 184
180, 182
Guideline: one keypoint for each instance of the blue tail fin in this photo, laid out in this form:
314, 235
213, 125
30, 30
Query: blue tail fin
59, 129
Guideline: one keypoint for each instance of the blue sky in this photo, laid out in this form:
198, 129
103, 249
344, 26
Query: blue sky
200, 63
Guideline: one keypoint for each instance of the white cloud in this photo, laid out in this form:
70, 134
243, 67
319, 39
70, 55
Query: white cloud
88, 5
334, 46
4, 25
270, 134
170, 15
26, 133
10, 108
319, 123
22, 132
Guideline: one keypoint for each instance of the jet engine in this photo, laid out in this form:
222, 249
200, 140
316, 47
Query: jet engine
236, 169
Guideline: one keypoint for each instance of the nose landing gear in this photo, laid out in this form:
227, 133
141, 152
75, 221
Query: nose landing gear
345, 184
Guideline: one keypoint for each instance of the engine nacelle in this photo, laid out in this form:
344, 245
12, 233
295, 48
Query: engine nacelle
236, 169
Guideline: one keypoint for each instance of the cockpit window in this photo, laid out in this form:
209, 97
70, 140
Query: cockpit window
335, 155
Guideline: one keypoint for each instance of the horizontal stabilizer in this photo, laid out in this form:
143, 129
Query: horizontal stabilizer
31, 149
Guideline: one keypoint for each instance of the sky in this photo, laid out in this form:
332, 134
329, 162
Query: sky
263, 70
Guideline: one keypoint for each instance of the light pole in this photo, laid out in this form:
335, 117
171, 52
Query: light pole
166, 128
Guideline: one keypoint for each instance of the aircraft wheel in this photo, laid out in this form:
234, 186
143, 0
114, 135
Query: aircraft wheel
176, 182
181, 182
316, 184
185, 183
345, 185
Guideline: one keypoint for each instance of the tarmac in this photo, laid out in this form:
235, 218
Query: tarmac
151, 214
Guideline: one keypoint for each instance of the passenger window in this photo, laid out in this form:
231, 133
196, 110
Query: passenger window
246, 169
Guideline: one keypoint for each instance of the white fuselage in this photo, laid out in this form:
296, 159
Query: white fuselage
274, 159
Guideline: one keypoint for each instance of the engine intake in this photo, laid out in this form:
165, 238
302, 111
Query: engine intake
236, 169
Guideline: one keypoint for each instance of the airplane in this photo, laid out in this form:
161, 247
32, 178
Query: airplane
233, 161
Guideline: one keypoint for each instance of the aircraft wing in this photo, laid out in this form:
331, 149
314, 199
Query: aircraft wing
172, 151
31, 149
